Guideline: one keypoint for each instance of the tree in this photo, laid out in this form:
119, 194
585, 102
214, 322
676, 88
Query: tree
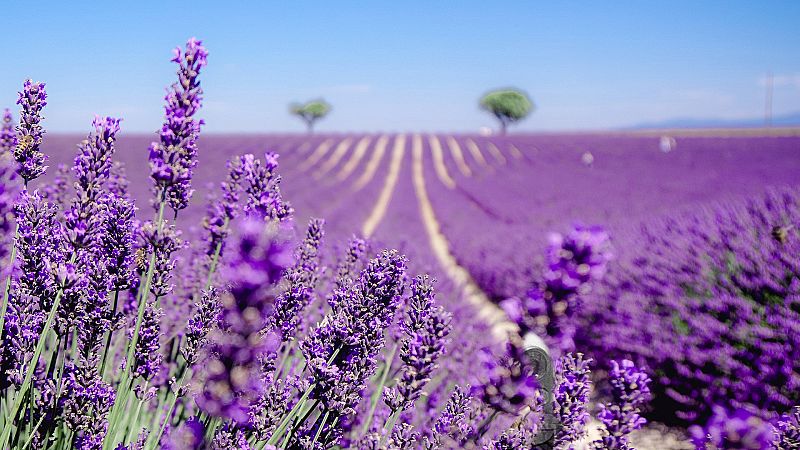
310, 112
508, 105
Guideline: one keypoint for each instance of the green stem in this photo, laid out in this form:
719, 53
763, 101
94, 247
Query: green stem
214, 261
292, 413
173, 400
122, 398
485, 425
284, 359
33, 432
319, 430
388, 427
31, 367
135, 418
378, 394
302, 418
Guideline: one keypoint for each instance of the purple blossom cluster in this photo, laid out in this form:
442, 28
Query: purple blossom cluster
30, 159
231, 379
426, 328
174, 156
342, 350
629, 392
301, 279
263, 188
709, 302
571, 398
551, 306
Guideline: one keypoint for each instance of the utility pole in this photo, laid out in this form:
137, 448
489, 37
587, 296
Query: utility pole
768, 101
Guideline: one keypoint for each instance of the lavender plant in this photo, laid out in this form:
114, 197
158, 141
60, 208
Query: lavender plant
173, 158
551, 307
30, 159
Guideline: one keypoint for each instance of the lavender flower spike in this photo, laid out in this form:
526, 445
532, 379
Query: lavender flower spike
788, 431
231, 379
572, 397
426, 327
29, 132
8, 137
173, 158
630, 390
91, 169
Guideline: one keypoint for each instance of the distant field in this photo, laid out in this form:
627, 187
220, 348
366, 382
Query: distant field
487, 203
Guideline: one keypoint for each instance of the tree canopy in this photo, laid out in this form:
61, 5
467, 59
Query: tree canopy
310, 111
507, 105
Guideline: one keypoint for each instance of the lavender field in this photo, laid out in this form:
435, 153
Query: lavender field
194, 290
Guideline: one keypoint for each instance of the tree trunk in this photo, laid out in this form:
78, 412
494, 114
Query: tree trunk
310, 127
502, 127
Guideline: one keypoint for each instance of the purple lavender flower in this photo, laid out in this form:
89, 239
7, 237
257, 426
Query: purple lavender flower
787, 431
31, 160
173, 158
230, 437
8, 137
629, 391
267, 412
40, 254
513, 439
147, 357
508, 382
302, 279
161, 242
450, 423
737, 430
342, 350
347, 268
87, 399
222, 211
205, 317
92, 166
263, 188
118, 239
403, 437
426, 328
571, 398
231, 378
573, 261
87, 402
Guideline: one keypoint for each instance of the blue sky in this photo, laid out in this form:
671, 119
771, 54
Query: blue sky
411, 65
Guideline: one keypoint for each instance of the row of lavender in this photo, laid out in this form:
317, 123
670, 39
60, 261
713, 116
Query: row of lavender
118, 332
